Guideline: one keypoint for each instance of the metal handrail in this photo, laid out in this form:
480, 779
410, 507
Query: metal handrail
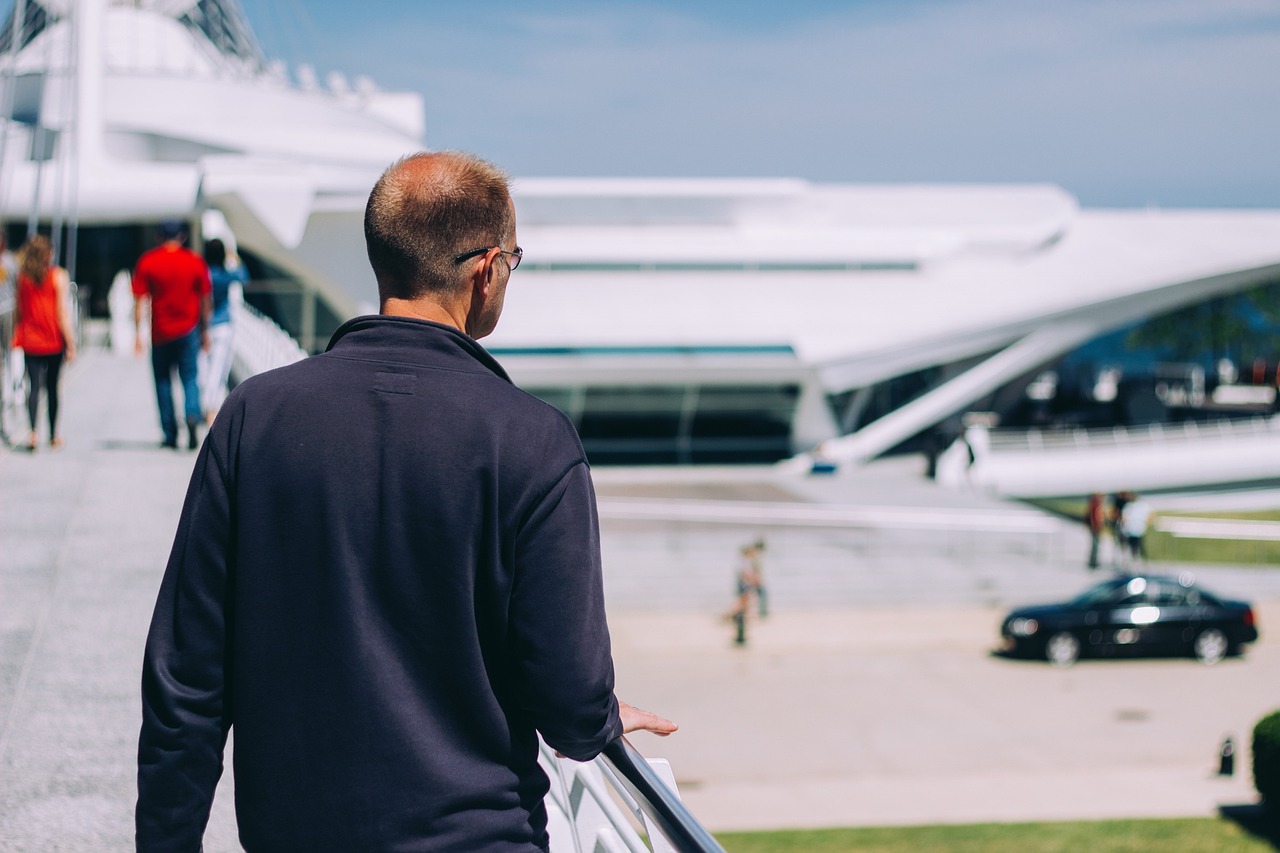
659, 803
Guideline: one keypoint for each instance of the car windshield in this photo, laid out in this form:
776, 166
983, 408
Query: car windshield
1103, 593
1162, 591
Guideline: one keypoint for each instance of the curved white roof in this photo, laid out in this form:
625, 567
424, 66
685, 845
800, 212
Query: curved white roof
986, 264
156, 108
151, 89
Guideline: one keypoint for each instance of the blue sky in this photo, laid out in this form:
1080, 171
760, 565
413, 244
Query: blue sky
1122, 102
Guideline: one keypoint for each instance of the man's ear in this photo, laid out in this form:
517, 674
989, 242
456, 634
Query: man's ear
480, 286
482, 280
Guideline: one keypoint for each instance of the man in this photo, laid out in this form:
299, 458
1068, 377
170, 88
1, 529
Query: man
1095, 516
386, 576
757, 568
176, 281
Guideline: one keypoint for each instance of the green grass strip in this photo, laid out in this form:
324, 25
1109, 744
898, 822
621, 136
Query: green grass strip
1167, 548
1189, 835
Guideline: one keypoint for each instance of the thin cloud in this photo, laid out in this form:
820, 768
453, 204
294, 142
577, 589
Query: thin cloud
1122, 102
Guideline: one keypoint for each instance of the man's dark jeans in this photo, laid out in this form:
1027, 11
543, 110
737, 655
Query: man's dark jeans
180, 354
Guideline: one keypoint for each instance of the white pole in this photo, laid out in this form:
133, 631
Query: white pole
38, 141
90, 24
15, 34
62, 141
86, 103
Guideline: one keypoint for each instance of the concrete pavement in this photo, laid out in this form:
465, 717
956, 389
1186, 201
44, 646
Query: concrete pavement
867, 697
902, 715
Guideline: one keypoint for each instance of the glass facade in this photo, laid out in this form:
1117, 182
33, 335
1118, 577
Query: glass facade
680, 424
1167, 367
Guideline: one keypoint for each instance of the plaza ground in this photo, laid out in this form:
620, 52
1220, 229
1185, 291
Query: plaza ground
868, 696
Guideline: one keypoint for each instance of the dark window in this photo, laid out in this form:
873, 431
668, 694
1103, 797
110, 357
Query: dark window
678, 424
742, 423
636, 425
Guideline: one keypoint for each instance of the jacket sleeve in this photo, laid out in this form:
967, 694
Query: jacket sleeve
184, 701
559, 636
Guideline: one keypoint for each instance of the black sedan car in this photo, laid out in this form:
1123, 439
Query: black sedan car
1133, 614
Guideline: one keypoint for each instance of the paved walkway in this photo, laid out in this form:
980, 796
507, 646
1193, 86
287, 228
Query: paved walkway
867, 697
902, 715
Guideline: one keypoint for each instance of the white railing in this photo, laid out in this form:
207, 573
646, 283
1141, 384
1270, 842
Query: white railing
611, 804
755, 514
259, 344
1072, 438
1219, 528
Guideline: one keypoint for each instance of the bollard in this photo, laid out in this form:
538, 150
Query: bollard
1227, 758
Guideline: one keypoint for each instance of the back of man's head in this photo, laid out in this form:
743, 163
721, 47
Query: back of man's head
171, 231
427, 209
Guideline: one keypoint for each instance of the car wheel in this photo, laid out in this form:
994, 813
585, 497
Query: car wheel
1210, 646
1062, 649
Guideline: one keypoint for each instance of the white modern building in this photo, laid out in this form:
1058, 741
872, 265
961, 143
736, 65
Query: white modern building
685, 301
122, 113
676, 321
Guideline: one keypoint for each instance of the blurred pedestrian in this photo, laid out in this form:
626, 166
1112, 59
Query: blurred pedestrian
746, 582
1134, 522
42, 331
176, 281
757, 568
215, 362
1095, 516
1120, 555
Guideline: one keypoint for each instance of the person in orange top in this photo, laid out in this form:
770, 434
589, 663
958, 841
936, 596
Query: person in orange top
43, 330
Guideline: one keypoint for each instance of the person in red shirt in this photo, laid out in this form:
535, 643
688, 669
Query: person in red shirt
43, 330
176, 281
1095, 516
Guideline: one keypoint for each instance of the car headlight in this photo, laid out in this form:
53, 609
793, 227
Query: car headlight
1023, 627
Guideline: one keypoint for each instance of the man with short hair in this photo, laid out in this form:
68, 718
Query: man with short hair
176, 281
386, 577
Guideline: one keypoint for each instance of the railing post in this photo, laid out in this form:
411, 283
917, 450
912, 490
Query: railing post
657, 801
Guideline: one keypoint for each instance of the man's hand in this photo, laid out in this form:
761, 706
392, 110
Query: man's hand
634, 719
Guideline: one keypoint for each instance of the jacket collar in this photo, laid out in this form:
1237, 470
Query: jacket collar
410, 341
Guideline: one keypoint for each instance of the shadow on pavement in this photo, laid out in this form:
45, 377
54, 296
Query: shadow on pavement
126, 444
1118, 658
1255, 820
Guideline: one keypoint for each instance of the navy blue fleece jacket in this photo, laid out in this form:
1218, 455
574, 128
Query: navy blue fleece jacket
385, 579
